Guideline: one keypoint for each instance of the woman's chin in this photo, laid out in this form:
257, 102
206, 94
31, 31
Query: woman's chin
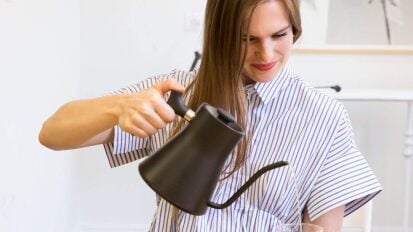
264, 77
261, 76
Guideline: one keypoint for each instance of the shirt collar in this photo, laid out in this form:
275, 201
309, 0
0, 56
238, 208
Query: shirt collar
269, 90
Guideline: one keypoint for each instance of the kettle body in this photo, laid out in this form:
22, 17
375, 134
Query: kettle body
186, 169
188, 166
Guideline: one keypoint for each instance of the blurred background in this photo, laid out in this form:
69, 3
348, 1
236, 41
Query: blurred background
53, 51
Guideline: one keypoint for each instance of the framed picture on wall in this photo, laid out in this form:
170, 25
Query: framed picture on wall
382, 26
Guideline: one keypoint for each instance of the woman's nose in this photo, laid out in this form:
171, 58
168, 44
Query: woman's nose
265, 51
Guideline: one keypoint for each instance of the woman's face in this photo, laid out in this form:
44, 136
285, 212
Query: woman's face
270, 42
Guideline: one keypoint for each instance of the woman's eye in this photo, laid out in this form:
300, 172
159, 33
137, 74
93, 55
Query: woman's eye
276, 36
249, 40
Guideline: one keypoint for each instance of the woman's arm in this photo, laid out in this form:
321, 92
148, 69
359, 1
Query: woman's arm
80, 123
331, 221
89, 122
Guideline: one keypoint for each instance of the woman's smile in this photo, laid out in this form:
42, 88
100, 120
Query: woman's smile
264, 67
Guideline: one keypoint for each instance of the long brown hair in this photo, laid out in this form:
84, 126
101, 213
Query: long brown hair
219, 80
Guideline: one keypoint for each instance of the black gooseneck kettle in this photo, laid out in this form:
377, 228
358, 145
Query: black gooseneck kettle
186, 169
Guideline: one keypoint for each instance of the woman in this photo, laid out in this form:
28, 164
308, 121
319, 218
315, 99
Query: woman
243, 70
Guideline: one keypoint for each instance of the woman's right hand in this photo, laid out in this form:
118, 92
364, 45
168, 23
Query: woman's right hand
143, 113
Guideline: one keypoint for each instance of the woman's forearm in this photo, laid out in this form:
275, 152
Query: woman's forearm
88, 122
80, 123
331, 221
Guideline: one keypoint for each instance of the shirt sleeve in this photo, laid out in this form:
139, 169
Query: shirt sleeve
345, 179
127, 148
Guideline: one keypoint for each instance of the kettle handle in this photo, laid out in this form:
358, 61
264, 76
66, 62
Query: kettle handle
177, 103
247, 185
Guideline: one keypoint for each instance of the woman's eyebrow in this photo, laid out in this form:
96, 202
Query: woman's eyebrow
283, 29
277, 32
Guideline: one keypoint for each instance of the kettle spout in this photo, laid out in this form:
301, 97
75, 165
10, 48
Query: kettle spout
247, 185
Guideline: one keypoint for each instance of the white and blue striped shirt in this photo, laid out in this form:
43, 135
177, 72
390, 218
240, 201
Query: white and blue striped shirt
287, 120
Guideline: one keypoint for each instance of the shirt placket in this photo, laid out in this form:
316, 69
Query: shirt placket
253, 126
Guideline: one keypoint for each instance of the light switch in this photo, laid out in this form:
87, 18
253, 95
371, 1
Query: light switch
193, 22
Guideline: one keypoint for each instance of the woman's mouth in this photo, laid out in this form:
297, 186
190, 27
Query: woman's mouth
264, 67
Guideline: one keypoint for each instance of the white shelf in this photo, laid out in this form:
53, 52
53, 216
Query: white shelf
371, 95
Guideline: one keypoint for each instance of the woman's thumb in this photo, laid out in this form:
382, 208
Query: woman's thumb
168, 85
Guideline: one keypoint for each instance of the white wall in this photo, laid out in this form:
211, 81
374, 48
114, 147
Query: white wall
39, 51
52, 51
123, 42
126, 41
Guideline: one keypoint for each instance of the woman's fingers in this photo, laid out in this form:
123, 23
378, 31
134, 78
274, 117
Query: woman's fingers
153, 118
143, 124
127, 124
165, 112
165, 86
149, 112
